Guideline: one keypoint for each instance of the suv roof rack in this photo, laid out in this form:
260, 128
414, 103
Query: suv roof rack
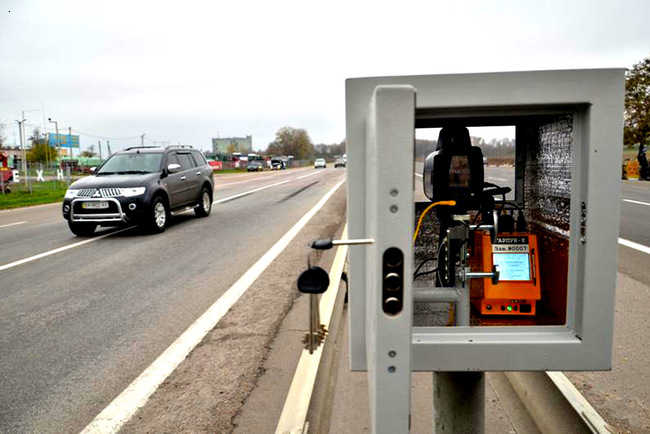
139, 147
179, 146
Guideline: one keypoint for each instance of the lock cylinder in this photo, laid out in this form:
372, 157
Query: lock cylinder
392, 281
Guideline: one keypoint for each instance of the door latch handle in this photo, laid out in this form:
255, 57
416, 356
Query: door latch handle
182, 178
198, 173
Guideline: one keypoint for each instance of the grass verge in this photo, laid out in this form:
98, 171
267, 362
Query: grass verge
40, 193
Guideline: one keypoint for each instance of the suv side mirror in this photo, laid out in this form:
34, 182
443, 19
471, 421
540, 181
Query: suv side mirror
173, 168
93, 170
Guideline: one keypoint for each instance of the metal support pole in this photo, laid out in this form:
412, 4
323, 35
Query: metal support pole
23, 162
459, 402
436, 295
462, 306
459, 397
70, 140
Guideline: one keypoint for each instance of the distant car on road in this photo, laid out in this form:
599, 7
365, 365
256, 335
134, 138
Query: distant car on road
320, 163
277, 164
143, 185
339, 162
254, 166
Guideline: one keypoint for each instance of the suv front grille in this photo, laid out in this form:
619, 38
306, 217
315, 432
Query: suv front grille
110, 192
104, 192
87, 192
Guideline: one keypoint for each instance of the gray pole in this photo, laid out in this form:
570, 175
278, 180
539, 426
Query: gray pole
70, 140
459, 397
99, 144
142, 141
459, 402
58, 140
22, 147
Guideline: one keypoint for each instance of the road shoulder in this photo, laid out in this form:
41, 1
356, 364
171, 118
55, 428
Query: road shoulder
208, 389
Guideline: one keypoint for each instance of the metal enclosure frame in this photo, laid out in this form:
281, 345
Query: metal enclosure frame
595, 99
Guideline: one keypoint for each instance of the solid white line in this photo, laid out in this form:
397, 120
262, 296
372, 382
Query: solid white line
296, 405
633, 245
497, 179
636, 201
12, 224
122, 408
307, 175
59, 250
24, 208
226, 199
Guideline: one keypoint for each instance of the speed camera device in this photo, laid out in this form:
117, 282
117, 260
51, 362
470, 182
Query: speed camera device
481, 261
455, 170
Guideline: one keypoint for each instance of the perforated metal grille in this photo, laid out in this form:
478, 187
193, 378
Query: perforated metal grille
548, 173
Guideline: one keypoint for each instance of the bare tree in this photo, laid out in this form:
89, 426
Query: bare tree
2, 135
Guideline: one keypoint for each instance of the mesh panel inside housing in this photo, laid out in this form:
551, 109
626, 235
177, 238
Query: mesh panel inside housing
547, 177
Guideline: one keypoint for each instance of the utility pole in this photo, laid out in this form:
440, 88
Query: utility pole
23, 138
22, 147
99, 145
70, 140
108, 146
142, 140
58, 140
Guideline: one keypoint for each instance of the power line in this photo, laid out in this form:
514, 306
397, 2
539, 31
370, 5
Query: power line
105, 138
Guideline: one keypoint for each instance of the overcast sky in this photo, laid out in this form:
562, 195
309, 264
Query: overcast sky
187, 71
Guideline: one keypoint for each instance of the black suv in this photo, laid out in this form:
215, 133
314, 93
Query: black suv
142, 185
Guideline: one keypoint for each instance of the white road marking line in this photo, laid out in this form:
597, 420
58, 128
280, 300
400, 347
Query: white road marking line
294, 412
637, 202
59, 250
26, 208
12, 224
226, 199
497, 179
635, 246
307, 175
136, 395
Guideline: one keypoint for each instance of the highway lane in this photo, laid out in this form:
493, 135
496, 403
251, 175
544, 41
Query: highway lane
77, 327
42, 229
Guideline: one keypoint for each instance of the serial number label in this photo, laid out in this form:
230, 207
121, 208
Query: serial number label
510, 248
510, 245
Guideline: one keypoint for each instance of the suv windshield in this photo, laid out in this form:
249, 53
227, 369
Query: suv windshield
132, 163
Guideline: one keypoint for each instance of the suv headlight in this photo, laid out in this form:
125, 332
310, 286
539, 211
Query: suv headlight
70, 193
130, 192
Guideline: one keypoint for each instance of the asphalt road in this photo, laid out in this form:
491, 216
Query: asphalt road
77, 326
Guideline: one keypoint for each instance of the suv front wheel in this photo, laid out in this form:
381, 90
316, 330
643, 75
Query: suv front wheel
158, 215
205, 203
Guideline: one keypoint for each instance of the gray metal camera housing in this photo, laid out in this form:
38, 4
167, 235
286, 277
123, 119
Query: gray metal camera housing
381, 115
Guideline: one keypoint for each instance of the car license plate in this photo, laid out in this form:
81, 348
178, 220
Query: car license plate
94, 205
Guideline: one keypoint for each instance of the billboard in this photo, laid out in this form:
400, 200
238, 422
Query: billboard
64, 140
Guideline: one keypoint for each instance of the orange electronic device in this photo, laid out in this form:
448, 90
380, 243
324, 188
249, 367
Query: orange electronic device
517, 259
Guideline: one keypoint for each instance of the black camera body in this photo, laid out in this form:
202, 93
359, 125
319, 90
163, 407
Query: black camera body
455, 170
